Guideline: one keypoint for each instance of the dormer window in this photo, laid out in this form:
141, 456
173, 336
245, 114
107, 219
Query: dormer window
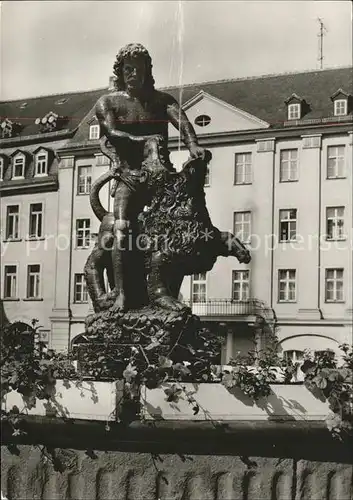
340, 107
294, 111
296, 107
94, 132
18, 171
341, 103
41, 163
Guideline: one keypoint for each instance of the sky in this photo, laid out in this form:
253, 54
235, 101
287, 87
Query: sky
49, 47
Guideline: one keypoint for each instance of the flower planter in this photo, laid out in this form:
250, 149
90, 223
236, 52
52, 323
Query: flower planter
91, 400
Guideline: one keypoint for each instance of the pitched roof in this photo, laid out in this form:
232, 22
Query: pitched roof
261, 96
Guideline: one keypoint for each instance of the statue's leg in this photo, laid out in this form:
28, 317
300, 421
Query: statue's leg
93, 270
159, 280
124, 213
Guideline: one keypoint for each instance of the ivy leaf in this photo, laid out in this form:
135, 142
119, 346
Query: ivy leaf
164, 362
196, 409
173, 393
320, 381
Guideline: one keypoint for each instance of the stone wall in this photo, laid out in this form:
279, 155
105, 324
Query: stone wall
177, 465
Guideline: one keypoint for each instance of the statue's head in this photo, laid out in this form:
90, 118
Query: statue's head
133, 68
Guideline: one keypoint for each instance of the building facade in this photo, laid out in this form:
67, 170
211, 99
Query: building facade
280, 178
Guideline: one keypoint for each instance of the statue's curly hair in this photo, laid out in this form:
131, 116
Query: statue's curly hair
129, 51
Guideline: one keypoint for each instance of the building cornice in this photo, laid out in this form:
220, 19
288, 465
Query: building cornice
38, 138
29, 186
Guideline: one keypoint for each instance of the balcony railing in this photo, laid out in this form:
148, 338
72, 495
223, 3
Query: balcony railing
225, 307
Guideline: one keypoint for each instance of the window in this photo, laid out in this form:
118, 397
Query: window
80, 289
18, 167
1, 169
294, 356
33, 281
242, 174
334, 285
102, 160
12, 222
335, 223
10, 282
35, 220
83, 233
240, 285
242, 226
199, 288
84, 180
202, 120
288, 165
286, 285
335, 162
294, 111
288, 224
94, 132
340, 107
41, 164
207, 176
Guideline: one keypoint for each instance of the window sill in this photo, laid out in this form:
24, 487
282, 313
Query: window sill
336, 178
289, 180
335, 301
9, 299
41, 175
83, 248
33, 299
83, 194
286, 302
42, 238
9, 240
336, 239
288, 241
80, 303
242, 183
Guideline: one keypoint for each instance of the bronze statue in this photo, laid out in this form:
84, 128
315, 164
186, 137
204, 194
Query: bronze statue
129, 117
160, 229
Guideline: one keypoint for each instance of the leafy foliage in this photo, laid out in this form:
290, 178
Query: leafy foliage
335, 383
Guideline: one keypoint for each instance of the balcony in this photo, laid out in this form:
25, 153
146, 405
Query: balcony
222, 308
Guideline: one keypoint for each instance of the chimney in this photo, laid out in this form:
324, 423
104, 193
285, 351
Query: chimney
111, 83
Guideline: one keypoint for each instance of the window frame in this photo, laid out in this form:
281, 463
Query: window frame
2, 168
337, 157
23, 158
297, 106
287, 281
236, 234
289, 162
339, 102
8, 237
15, 296
241, 282
86, 233
288, 221
86, 192
32, 213
84, 291
246, 167
36, 164
334, 281
92, 134
336, 218
37, 283
199, 282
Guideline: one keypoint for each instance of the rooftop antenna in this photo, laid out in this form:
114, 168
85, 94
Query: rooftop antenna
322, 32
